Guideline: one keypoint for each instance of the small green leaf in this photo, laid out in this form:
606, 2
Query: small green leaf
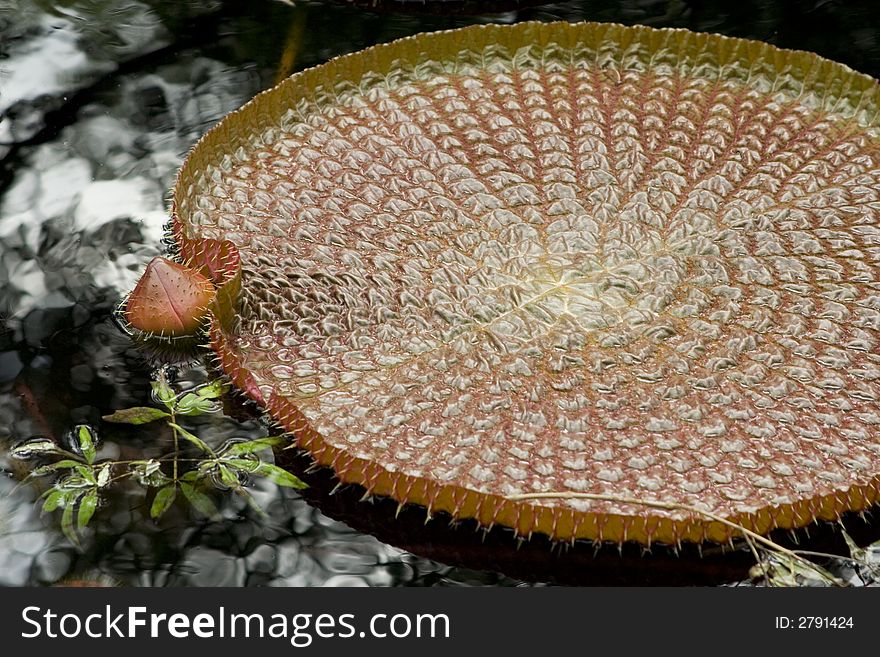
86, 442
200, 502
280, 476
194, 405
87, 474
193, 476
104, 476
67, 518
31, 448
248, 465
186, 403
195, 440
136, 415
149, 473
252, 446
272, 472
87, 507
54, 467
162, 502
53, 500
164, 393
228, 477
73, 482
212, 390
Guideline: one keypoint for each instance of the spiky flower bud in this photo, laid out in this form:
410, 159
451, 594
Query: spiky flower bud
169, 299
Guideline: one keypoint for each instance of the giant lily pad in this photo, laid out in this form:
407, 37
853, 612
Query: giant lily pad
581, 260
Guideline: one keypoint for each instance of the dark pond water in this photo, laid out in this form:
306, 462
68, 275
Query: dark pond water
100, 101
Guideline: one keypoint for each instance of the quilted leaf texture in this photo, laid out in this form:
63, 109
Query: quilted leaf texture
562, 258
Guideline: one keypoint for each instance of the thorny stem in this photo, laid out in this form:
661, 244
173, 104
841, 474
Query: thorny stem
673, 506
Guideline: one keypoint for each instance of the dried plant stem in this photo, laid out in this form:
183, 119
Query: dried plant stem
751, 537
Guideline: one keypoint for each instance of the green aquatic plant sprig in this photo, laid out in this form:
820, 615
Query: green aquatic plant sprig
76, 490
80, 476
